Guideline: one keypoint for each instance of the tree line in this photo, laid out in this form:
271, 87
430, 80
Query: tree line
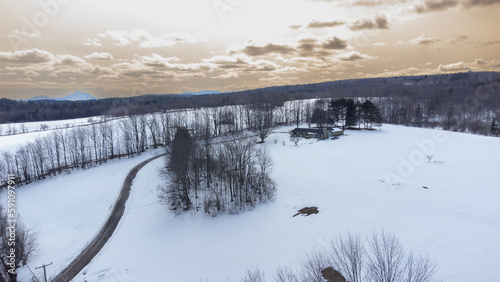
345, 113
81, 147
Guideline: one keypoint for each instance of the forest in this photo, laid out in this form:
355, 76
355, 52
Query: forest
465, 102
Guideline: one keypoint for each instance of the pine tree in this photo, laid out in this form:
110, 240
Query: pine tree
371, 114
178, 192
351, 119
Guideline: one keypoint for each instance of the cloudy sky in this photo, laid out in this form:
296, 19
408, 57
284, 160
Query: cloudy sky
125, 48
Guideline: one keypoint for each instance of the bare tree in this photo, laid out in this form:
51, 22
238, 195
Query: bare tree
263, 121
23, 160
284, 274
254, 275
419, 269
24, 129
386, 261
95, 142
126, 136
308, 110
297, 112
23, 243
265, 185
319, 113
348, 254
295, 139
153, 126
81, 136
314, 264
56, 141
108, 132
165, 121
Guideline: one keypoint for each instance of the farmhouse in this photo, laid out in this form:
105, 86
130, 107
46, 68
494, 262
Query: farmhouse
320, 133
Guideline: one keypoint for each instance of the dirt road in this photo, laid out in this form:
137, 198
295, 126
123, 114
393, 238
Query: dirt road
106, 231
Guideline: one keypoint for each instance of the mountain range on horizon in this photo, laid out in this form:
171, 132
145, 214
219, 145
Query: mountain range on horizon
77, 96
82, 96
203, 92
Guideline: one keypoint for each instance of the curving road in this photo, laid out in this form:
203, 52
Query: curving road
106, 231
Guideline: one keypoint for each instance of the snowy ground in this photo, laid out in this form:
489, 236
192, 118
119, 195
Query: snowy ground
364, 182
10, 143
67, 211
35, 126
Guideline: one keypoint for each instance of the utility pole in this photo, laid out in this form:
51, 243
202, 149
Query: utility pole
44, 271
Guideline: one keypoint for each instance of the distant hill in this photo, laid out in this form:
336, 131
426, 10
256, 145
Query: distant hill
77, 96
203, 92
39, 98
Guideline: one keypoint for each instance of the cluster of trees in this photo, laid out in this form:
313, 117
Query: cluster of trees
381, 258
436, 113
216, 175
23, 244
346, 113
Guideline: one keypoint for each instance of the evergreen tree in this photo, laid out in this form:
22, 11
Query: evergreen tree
178, 170
335, 111
351, 119
371, 114
342, 112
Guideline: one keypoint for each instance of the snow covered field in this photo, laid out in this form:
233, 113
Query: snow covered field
67, 211
364, 182
10, 143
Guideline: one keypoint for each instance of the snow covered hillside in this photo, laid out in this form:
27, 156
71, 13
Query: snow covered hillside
364, 182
